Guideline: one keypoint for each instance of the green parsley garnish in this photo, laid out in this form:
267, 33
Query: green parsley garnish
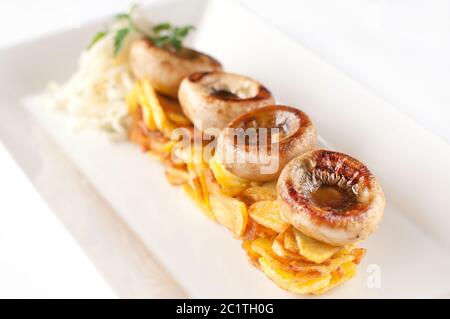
97, 37
164, 35
119, 37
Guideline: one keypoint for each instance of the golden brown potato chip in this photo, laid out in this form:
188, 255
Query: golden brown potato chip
289, 241
312, 249
283, 270
154, 155
252, 255
145, 108
162, 123
231, 184
131, 100
179, 119
267, 214
168, 146
211, 184
200, 203
327, 267
344, 273
230, 212
299, 283
263, 247
358, 253
272, 248
258, 193
173, 110
177, 176
279, 249
199, 169
196, 185
255, 230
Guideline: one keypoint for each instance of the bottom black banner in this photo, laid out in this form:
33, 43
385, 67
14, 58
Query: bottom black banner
216, 308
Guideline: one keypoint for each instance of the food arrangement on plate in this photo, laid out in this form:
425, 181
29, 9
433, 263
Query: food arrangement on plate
249, 163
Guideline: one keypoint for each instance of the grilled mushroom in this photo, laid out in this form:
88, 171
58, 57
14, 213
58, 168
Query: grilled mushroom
258, 144
165, 68
331, 197
213, 99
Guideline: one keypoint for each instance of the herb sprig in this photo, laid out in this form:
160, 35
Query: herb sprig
166, 35
119, 39
163, 35
97, 37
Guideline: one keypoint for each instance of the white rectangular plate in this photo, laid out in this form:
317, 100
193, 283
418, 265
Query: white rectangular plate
411, 247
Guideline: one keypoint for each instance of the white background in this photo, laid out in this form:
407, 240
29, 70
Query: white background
398, 48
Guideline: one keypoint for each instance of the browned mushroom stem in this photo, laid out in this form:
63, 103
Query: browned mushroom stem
258, 144
331, 197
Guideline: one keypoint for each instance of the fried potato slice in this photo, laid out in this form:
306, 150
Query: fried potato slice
211, 184
297, 283
289, 241
273, 248
199, 169
343, 273
230, 212
300, 276
258, 193
279, 249
186, 152
168, 147
177, 176
358, 253
231, 184
267, 214
331, 265
154, 155
312, 249
252, 255
255, 230
179, 119
145, 108
131, 100
173, 110
263, 247
151, 102
188, 189
157, 142
194, 181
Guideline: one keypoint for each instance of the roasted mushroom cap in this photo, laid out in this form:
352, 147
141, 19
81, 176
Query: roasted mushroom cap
258, 144
213, 99
331, 197
165, 68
